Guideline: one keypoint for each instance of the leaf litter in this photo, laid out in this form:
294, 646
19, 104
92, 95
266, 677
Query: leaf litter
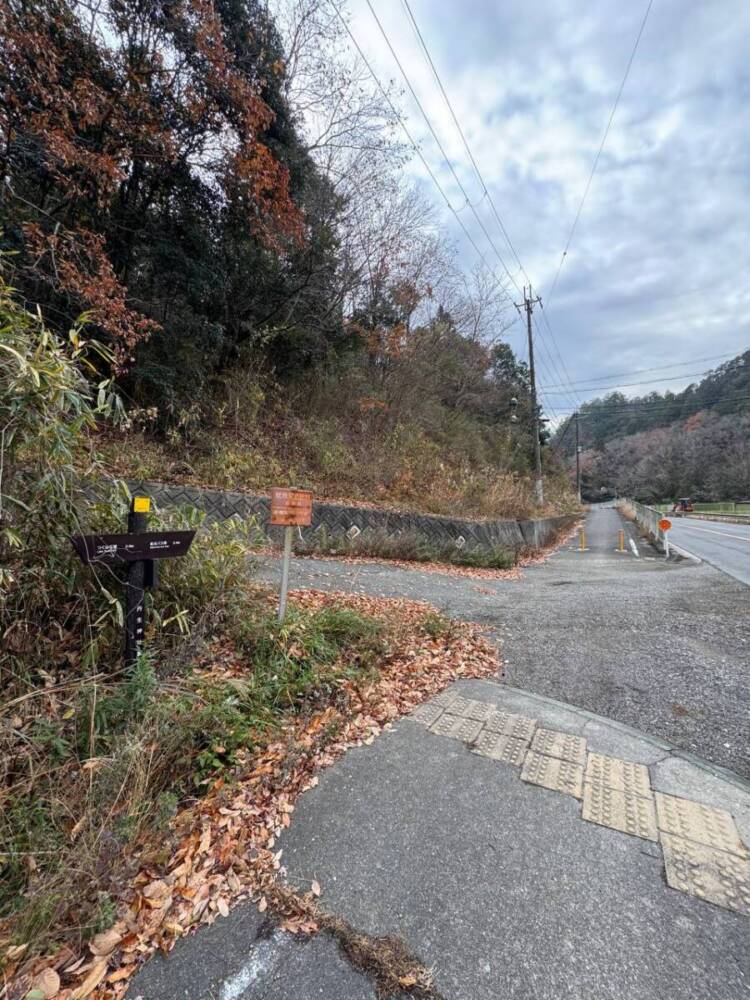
224, 842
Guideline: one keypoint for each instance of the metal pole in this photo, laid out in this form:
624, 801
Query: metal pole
285, 571
578, 460
538, 482
134, 594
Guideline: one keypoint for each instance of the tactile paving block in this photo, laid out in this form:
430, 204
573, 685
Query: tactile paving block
551, 772
711, 875
520, 727
446, 697
497, 746
622, 775
623, 811
566, 746
427, 713
704, 824
457, 727
471, 709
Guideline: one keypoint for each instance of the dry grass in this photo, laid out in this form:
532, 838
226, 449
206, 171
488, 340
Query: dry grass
407, 472
220, 847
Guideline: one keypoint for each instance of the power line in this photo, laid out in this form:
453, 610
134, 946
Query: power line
645, 371
467, 201
567, 384
415, 146
601, 148
399, 118
628, 385
485, 189
648, 406
464, 140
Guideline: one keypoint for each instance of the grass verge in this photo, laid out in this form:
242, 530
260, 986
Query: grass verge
96, 770
178, 815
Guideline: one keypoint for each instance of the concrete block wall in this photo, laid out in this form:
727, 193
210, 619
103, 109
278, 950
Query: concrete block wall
339, 518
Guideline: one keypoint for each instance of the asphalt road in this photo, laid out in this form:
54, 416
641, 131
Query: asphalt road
725, 546
497, 885
661, 646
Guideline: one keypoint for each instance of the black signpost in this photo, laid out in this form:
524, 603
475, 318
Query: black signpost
138, 549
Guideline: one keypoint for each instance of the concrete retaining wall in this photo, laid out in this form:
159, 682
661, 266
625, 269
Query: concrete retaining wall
337, 519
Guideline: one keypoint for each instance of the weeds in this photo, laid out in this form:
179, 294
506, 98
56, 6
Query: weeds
121, 756
95, 759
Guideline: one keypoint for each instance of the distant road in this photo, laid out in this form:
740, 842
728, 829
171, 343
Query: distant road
725, 546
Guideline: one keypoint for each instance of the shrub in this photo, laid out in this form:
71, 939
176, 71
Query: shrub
47, 409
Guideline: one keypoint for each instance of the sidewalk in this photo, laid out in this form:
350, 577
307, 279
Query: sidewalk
499, 883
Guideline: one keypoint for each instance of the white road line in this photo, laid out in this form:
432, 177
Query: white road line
725, 534
634, 547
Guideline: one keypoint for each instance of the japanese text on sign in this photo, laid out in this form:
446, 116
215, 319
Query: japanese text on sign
290, 508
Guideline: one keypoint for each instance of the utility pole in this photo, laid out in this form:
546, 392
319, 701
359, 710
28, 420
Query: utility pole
578, 459
528, 305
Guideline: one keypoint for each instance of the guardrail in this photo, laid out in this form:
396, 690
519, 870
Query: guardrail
740, 508
706, 516
646, 517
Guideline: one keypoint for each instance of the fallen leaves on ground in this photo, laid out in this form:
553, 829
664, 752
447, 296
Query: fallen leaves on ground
225, 841
451, 569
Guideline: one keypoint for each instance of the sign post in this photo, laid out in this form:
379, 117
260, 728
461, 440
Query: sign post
135, 592
289, 509
665, 524
138, 549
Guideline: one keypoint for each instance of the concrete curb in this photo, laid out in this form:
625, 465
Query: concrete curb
715, 770
684, 553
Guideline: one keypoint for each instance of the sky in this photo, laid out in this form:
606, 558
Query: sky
658, 271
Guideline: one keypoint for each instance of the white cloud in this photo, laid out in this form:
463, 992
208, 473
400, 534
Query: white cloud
657, 271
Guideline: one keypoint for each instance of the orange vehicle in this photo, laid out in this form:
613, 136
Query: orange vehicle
683, 506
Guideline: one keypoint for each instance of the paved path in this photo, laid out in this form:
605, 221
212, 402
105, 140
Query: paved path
663, 647
500, 885
724, 545
520, 865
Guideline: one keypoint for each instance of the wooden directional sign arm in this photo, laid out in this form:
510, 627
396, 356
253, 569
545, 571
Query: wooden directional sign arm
132, 547
138, 549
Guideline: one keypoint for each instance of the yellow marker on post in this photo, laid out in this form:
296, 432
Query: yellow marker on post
141, 505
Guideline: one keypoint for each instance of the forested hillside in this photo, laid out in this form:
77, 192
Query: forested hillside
218, 188
657, 447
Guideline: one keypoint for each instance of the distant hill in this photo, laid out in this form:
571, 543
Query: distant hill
659, 447
726, 390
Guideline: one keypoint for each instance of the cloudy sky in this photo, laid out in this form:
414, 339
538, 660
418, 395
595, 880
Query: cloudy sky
658, 271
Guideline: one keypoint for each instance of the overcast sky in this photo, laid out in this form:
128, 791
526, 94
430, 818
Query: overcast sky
659, 268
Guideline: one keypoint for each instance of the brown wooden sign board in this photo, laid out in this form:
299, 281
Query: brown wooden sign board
291, 508
132, 547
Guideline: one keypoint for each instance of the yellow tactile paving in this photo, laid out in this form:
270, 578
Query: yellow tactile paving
622, 775
551, 772
703, 853
498, 746
427, 713
702, 824
622, 811
520, 727
564, 746
471, 709
457, 727
711, 875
